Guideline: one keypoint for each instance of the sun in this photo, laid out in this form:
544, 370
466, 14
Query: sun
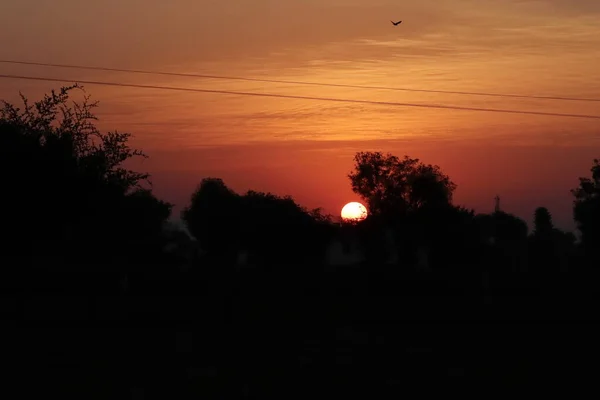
354, 212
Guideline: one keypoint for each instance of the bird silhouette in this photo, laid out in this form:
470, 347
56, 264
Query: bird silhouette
396, 23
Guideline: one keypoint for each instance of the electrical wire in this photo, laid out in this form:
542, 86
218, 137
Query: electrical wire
284, 96
291, 82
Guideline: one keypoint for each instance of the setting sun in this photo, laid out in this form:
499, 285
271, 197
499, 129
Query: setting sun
354, 211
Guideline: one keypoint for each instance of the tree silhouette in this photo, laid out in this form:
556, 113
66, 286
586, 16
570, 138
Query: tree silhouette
68, 197
270, 229
402, 195
395, 187
451, 234
214, 219
550, 248
586, 212
505, 237
542, 220
276, 229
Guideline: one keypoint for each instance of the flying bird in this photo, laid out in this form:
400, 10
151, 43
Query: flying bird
396, 23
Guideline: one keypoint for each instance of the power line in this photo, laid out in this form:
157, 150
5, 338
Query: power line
137, 71
285, 96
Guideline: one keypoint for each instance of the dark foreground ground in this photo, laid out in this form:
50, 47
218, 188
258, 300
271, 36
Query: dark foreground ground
331, 336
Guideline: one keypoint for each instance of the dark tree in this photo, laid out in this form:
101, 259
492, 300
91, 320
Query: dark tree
276, 230
451, 234
270, 229
586, 212
550, 249
213, 218
401, 195
68, 198
506, 238
542, 220
393, 186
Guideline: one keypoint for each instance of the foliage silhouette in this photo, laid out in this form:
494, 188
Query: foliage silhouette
451, 235
72, 201
586, 212
413, 201
550, 249
267, 228
543, 225
213, 217
276, 229
393, 186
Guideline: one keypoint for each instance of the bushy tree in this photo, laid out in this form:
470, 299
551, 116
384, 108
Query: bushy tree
278, 230
403, 194
586, 212
68, 195
394, 186
550, 249
213, 217
542, 221
271, 229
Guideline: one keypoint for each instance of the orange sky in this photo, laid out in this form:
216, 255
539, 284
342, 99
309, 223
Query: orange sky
305, 148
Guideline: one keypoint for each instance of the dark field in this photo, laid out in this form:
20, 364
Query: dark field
299, 337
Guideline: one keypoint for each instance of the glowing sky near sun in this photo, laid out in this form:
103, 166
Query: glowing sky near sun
305, 148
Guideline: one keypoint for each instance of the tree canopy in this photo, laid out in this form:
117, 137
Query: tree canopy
213, 217
68, 194
542, 221
586, 210
269, 228
394, 186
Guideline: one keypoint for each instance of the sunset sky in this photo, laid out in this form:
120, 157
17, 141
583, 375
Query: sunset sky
305, 147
